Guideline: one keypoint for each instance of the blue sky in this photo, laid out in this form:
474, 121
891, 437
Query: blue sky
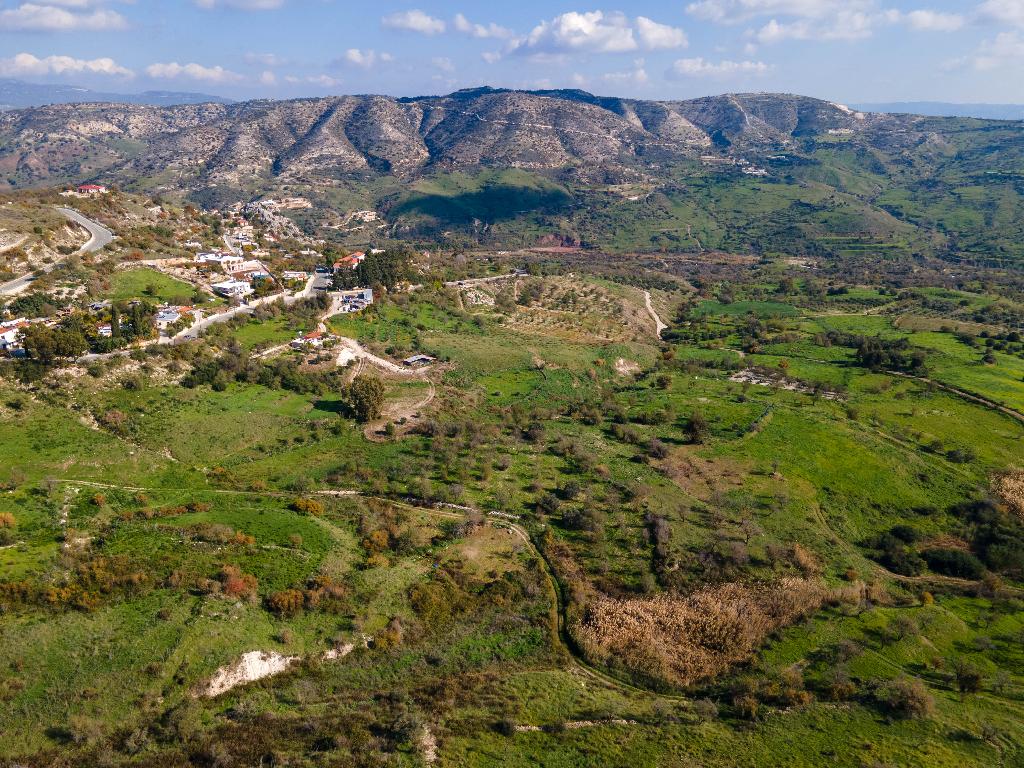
844, 50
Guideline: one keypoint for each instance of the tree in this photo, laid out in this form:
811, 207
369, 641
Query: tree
968, 676
365, 397
697, 427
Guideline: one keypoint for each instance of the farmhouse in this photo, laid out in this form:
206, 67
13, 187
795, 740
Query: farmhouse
91, 190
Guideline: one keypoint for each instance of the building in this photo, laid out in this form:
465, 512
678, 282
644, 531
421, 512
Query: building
91, 190
365, 295
232, 288
227, 261
10, 334
418, 361
312, 340
289, 275
105, 331
352, 261
168, 316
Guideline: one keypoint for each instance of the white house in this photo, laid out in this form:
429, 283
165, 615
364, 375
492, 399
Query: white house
167, 317
227, 261
233, 288
10, 334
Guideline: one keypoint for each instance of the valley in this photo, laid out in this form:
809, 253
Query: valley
510, 428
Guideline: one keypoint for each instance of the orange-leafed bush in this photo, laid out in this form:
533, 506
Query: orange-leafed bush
287, 602
686, 639
7, 520
308, 507
237, 584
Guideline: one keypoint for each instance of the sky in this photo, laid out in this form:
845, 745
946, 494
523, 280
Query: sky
852, 51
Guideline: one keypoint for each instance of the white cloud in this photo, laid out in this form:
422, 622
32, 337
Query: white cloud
443, 63
415, 21
852, 25
265, 59
1005, 51
636, 76
738, 11
491, 57
241, 5
596, 32
1004, 11
857, 21
934, 21
482, 31
699, 67
367, 59
268, 78
593, 32
324, 81
27, 65
654, 36
173, 71
33, 17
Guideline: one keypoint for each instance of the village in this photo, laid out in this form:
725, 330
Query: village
260, 258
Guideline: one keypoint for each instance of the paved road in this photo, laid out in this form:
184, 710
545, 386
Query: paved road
99, 237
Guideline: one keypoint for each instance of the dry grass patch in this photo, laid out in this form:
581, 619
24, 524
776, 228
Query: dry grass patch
701, 477
683, 640
1009, 486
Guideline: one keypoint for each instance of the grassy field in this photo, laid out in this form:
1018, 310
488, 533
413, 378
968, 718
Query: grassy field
146, 283
156, 525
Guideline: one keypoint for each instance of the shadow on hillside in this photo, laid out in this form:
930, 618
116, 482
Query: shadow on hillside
495, 202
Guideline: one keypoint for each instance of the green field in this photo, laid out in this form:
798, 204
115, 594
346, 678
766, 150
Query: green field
159, 531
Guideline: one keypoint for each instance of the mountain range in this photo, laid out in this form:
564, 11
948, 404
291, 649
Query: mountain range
740, 172
17, 94
323, 140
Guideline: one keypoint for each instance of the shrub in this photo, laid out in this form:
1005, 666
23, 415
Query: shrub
287, 602
906, 697
308, 507
954, 562
234, 583
7, 520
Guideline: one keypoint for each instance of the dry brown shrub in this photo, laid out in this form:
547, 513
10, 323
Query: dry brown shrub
686, 639
805, 560
7, 520
1009, 486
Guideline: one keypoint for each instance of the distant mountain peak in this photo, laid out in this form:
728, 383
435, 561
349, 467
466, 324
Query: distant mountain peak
18, 94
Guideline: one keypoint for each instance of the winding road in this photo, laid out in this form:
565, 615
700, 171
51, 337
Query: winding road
99, 237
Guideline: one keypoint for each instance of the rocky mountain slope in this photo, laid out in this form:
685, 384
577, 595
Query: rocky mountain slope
197, 146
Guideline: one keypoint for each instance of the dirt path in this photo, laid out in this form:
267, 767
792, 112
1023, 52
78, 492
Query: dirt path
410, 412
991, 404
658, 325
